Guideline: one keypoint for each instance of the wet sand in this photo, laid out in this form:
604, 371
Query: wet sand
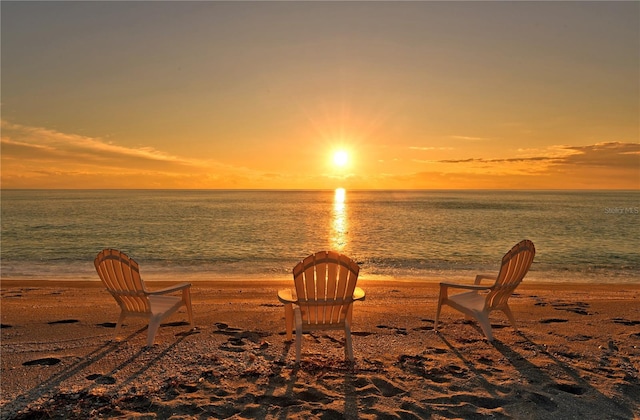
576, 355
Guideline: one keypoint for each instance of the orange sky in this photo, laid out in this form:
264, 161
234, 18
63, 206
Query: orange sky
510, 95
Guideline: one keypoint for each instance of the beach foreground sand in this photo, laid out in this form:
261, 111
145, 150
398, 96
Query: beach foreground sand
576, 355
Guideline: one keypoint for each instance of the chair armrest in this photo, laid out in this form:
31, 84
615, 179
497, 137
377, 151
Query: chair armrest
171, 289
358, 294
286, 296
464, 286
481, 277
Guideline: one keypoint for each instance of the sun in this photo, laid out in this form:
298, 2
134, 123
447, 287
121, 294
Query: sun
340, 158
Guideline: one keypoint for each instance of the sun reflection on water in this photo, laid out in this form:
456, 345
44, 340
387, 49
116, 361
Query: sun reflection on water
339, 225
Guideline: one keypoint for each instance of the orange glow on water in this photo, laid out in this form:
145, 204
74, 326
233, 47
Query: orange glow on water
339, 222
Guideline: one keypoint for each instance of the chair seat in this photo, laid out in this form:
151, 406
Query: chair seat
320, 325
164, 304
473, 301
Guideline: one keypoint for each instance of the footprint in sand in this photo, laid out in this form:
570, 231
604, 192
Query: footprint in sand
624, 321
419, 366
63, 321
569, 388
399, 330
192, 331
469, 340
253, 336
361, 333
314, 395
552, 320
579, 308
485, 360
189, 388
102, 379
425, 327
175, 324
435, 350
224, 329
45, 361
236, 342
386, 388
568, 355
360, 382
580, 337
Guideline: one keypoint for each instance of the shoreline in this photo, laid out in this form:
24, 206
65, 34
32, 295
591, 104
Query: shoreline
576, 354
254, 282
461, 276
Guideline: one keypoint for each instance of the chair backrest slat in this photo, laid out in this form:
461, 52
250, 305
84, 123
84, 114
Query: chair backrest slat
331, 312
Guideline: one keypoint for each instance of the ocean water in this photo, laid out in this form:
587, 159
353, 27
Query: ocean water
580, 236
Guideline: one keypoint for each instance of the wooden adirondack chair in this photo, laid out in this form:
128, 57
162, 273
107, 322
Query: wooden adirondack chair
121, 276
481, 300
325, 289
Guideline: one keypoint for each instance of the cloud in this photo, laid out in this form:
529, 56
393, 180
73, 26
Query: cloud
620, 155
470, 138
509, 160
609, 165
36, 143
35, 157
429, 148
611, 154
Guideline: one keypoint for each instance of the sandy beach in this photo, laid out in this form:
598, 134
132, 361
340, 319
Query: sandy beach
576, 356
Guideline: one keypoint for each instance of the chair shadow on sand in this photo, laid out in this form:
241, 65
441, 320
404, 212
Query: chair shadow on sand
280, 392
49, 388
557, 396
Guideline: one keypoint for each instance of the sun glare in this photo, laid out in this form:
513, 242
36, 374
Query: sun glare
340, 158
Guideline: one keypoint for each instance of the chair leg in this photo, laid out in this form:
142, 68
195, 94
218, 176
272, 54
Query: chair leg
512, 320
485, 324
288, 320
186, 298
298, 316
348, 345
435, 322
349, 316
119, 325
154, 324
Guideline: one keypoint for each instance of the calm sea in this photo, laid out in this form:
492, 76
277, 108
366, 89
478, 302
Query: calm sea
428, 235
